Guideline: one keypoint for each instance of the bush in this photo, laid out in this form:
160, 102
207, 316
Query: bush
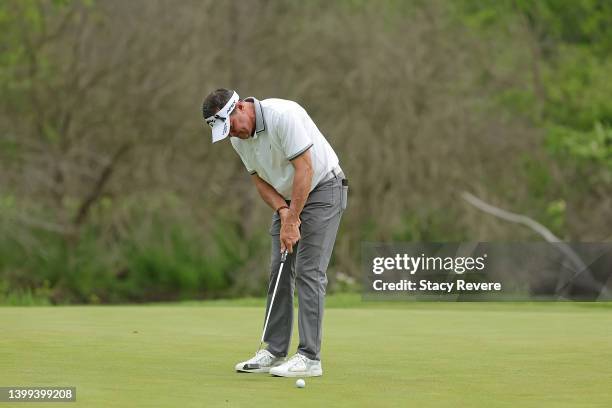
171, 262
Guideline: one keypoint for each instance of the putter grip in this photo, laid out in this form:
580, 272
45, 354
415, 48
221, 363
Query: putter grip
284, 256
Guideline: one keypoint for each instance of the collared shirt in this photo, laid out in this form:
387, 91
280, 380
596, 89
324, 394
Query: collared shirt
283, 131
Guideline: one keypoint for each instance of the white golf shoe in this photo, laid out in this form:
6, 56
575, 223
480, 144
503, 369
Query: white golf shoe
260, 363
298, 366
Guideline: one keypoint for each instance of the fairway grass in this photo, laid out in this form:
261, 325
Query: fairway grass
377, 355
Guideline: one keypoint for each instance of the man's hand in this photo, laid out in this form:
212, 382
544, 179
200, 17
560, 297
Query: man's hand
290, 229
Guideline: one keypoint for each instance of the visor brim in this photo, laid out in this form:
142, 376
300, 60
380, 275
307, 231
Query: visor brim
220, 130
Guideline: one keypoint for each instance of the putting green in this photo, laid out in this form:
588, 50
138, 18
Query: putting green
398, 355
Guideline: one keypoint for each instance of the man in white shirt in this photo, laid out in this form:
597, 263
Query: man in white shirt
297, 173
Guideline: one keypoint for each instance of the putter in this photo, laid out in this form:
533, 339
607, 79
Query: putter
280, 270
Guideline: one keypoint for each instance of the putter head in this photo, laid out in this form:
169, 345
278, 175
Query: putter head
251, 367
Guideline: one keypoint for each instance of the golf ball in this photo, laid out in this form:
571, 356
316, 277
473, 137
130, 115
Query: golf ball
300, 383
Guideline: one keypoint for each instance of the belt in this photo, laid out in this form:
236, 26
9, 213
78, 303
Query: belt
336, 172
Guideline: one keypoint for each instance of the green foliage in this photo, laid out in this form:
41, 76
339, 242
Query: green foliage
429, 226
521, 101
556, 216
53, 268
578, 89
20, 23
171, 263
535, 66
174, 263
589, 147
538, 177
10, 296
578, 22
25, 63
571, 64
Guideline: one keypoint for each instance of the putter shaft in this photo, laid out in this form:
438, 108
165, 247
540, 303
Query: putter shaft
280, 270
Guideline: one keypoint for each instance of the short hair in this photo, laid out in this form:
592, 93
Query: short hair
215, 101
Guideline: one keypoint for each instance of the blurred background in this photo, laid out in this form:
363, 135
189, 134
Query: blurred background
111, 192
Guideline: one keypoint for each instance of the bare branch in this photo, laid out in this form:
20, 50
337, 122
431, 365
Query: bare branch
512, 217
579, 266
98, 188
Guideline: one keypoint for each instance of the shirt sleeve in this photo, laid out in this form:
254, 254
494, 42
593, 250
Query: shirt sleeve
245, 159
294, 138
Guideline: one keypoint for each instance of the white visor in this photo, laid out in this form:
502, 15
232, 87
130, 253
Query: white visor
220, 121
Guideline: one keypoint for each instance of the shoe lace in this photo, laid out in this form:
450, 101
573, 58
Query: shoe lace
297, 358
262, 355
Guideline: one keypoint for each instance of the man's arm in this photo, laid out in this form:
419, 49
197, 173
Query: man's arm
268, 193
290, 217
302, 180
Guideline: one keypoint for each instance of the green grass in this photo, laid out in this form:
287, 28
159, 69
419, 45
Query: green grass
374, 354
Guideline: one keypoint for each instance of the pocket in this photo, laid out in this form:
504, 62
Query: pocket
344, 201
324, 195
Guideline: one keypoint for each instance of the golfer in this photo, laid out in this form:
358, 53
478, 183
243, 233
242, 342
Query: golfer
296, 173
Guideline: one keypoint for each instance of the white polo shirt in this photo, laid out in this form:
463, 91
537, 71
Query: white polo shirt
283, 131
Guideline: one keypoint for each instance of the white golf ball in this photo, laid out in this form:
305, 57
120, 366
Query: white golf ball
300, 383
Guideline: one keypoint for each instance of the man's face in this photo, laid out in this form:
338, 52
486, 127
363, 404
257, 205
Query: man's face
240, 122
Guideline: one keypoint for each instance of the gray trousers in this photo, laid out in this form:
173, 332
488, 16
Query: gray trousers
306, 267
